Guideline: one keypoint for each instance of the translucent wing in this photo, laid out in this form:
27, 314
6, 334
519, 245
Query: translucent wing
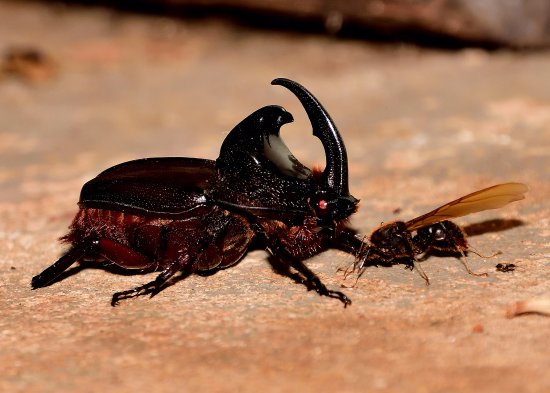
489, 198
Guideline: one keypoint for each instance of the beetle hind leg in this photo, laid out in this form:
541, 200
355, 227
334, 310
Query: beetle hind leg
117, 253
52, 272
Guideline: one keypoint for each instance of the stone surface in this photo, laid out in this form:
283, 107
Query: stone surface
422, 128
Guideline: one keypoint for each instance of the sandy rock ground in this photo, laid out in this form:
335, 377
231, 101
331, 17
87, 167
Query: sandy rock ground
422, 127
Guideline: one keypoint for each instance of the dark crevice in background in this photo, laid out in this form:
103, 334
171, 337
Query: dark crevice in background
385, 33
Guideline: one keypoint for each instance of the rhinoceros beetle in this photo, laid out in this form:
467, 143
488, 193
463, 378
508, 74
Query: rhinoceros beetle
190, 215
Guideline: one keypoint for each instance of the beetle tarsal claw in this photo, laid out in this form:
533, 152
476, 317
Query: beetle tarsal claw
340, 296
323, 291
151, 288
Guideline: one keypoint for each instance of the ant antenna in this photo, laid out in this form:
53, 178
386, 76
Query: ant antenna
474, 251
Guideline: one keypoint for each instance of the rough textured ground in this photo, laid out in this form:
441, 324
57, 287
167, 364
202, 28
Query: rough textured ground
421, 127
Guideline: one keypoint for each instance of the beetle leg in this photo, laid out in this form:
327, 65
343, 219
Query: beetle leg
346, 240
315, 283
76, 252
154, 286
122, 255
115, 252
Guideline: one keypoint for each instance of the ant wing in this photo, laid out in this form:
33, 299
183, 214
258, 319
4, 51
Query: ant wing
489, 198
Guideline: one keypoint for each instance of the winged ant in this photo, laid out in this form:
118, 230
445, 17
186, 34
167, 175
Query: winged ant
409, 242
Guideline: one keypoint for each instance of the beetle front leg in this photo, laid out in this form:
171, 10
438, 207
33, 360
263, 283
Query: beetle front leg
347, 240
311, 279
313, 282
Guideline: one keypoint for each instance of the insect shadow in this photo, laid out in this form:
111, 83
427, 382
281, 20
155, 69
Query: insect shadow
493, 225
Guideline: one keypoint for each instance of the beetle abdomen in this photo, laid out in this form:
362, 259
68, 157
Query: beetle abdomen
237, 237
142, 234
216, 240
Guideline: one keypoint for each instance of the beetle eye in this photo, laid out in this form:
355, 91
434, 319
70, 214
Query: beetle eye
322, 204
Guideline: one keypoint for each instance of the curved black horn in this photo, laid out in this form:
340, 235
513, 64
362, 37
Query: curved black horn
335, 175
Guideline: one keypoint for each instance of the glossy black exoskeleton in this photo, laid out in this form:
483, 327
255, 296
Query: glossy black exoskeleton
187, 215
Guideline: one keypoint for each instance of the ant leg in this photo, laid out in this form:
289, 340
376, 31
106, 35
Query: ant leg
470, 271
315, 283
357, 277
348, 241
361, 268
76, 252
152, 287
420, 270
361, 257
351, 268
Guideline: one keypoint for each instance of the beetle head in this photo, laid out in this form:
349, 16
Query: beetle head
332, 201
259, 172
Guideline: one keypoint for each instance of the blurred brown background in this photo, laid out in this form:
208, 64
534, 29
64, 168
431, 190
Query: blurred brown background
434, 99
513, 23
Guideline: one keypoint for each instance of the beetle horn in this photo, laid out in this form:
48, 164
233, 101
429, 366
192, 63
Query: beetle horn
335, 175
